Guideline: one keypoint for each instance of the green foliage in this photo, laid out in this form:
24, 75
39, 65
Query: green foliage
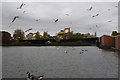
45, 34
37, 36
114, 33
72, 35
19, 34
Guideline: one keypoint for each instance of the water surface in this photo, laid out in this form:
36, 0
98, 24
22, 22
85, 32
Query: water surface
53, 62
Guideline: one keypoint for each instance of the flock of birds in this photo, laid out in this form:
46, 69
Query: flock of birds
82, 51
55, 20
32, 77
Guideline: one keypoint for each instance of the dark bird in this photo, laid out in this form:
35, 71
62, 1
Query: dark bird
37, 19
86, 50
36, 77
55, 20
80, 52
96, 25
90, 8
116, 6
67, 14
24, 11
110, 21
109, 9
95, 15
21, 6
14, 19
28, 30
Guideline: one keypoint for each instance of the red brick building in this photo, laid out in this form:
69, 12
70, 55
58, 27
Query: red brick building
107, 40
117, 42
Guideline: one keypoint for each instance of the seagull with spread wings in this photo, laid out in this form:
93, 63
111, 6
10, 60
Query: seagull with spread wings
14, 19
28, 30
55, 20
21, 6
90, 8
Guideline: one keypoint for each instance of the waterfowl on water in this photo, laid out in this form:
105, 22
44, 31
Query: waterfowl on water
28, 75
65, 51
36, 77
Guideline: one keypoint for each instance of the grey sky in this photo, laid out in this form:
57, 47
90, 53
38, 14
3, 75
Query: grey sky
79, 19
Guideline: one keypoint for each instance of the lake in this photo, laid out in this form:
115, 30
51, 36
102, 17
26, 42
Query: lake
54, 62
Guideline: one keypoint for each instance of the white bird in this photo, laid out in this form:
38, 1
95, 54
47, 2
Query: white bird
65, 51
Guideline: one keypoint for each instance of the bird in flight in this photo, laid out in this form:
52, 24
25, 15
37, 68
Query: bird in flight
96, 25
67, 14
14, 19
95, 15
24, 11
109, 9
37, 19
21, 6
90, 8
55, 20
28, 30
110, 21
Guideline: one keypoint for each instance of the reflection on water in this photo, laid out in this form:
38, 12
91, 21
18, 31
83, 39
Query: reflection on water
54, 62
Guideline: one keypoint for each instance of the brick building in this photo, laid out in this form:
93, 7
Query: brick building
117, 42
107, 40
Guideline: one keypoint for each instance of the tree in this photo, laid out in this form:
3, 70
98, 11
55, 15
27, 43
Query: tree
70, 35
37, 36
114, 33
5, 37
19, 34
45, 34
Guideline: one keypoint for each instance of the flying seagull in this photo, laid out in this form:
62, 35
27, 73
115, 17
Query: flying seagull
95, 15
110, 21
14, 19
67, 14
24, 11
37, 19
109, 9
90, 8
96, 25
28, 30
55, 20
21, 6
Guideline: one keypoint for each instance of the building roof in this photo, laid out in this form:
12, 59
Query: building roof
111, 36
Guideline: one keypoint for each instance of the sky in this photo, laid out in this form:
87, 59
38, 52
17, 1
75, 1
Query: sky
79, 19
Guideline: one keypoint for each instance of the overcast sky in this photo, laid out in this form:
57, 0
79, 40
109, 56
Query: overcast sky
79, 18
